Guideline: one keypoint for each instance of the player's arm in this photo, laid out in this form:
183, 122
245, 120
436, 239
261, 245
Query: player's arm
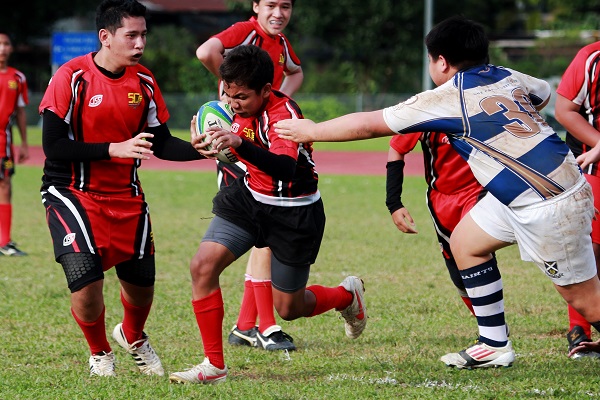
356, 126
279, 166
210, 53
393, 190
567, 114
169, 147
59, 147
292, 82
22, 125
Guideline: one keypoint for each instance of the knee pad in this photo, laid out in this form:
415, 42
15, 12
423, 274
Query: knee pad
141, 272
81, 269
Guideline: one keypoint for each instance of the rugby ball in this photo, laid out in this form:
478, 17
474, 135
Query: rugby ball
215, 113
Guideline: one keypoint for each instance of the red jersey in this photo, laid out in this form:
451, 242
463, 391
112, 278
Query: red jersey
278, 47
580, 85
99, 109
438, 156
13, 94
259, 130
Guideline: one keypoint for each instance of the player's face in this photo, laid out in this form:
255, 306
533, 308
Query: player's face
5, 48
244, 101
126, 46
273, 15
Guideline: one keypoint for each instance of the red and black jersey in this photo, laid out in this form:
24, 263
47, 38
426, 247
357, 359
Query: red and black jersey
13, 94
580, 85
278, 47
99, 109
259, 130
445, 170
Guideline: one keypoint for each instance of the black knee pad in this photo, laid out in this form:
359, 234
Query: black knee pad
140, 272
81, 269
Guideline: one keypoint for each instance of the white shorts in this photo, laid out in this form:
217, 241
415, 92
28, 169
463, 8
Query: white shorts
554, 234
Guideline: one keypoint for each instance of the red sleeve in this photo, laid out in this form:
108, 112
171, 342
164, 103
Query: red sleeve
57, 97
235, 34
404, 144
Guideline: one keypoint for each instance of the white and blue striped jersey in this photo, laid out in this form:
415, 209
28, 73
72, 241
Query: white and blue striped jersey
489, 115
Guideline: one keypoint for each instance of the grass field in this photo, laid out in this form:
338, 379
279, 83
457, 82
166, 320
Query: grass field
415, 314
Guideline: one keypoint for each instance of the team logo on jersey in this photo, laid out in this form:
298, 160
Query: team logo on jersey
281, 59
13, 85
95, 100
249, 133
68, 239
7, 164
552, 269
134, 99
235, 127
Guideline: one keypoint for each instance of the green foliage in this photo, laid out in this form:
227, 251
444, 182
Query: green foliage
170, 55
323, 108
415, 315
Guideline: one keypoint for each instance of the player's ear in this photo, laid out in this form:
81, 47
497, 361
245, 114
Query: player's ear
266, 90
103, 37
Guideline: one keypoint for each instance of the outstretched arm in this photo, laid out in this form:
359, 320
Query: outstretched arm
350, 127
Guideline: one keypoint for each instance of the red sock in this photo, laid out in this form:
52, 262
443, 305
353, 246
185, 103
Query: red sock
5, 223
468, 303
329, 298
134, 319
577, 319
209, 317
248, 311
95, 333
264, 303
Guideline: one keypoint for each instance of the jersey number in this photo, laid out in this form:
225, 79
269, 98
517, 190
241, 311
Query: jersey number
525, 123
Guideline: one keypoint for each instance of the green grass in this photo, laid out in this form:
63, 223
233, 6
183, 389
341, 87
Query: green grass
34, 137
415, 313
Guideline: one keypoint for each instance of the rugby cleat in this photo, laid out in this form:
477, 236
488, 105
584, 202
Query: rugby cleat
102, 364
204, 373
143, 354
273, 338
355, 315
481, 355
238, 337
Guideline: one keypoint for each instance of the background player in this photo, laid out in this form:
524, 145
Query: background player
452, 191
95, 207
13, 99
490, 115
264, 30
277, 204
577, 108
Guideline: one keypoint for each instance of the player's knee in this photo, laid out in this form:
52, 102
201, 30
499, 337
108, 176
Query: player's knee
203, 267
81, 269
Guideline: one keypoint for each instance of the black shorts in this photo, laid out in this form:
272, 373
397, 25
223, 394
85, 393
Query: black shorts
7, 167
294, 234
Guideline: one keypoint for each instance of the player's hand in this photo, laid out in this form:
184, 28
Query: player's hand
296, 130
403, 221
198, 142
589, 157
223, 139
586, 346
23, 153
136, 147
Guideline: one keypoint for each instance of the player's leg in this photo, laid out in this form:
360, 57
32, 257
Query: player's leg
244, 331
472, 247
69, 217
270, 336
137, 293
222, 244
292, 299
7, 246
580, 330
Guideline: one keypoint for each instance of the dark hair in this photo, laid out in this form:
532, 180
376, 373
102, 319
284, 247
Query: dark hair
258, 1
249, 66
110, 13
462, 42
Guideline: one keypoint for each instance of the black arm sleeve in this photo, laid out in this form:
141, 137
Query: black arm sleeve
168, 147
280, 167
58, 147
393, 185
